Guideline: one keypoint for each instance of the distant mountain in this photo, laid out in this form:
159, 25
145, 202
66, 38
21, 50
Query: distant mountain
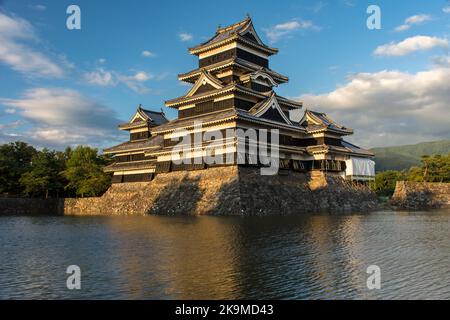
404, 157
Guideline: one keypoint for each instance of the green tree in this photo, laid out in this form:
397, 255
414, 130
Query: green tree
436, 168
385, 182
15, 160
44, 177
425, 161
444, 170
415, 174
84, 172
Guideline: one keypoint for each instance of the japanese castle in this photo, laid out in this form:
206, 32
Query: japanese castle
233, 89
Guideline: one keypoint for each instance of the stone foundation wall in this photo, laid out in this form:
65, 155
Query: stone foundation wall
421, 195
313, 192
229, 190
212, 191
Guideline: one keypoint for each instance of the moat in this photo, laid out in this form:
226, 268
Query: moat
291, 257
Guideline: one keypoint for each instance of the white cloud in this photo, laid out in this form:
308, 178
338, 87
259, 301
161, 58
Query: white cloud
185, 36
442, 61
419, 18
390, 107
102, 60
446, 9
15, 27
22, 57
278, 31
100, 77
147, 54
402, 27
11, 125
61, 117
141, 76
410, 21
409, 45
105, 78
135, 82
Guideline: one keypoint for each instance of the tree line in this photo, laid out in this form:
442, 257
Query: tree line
25, 171
434, 168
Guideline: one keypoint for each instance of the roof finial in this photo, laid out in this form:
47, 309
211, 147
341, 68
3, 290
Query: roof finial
248, 15
140, 106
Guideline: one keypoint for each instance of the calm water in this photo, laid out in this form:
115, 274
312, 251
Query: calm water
295, 257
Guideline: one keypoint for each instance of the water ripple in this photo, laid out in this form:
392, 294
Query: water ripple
294, 257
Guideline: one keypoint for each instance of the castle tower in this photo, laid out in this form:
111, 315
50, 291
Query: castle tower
233, 91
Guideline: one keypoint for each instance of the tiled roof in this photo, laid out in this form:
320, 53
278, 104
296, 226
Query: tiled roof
225, 114
231, 32
189, 122
242, 114
320, 121
151, 118
135, 124
235, 62
280, 100
157, 118
224, 33
229, 88
257, 67
132, 165
357, 149
153, 142
345, 148
258, 106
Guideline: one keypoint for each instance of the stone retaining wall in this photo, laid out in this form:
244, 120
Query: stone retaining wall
228, 190
191, 193
296, 193
421, 195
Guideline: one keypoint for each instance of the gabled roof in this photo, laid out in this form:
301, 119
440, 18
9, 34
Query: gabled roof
260, 76
317, 121
232, 87
269, 105
204, 79
232, 62
143, 117
289, 102
156, 118
245, 115
242, 30
216, 117
213, 117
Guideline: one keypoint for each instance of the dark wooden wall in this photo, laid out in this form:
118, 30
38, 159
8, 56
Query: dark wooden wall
139, 135
232, 53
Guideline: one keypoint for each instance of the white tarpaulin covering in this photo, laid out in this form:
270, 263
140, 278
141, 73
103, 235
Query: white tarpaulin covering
360, 167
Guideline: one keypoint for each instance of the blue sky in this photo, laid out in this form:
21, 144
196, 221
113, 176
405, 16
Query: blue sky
60, 86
